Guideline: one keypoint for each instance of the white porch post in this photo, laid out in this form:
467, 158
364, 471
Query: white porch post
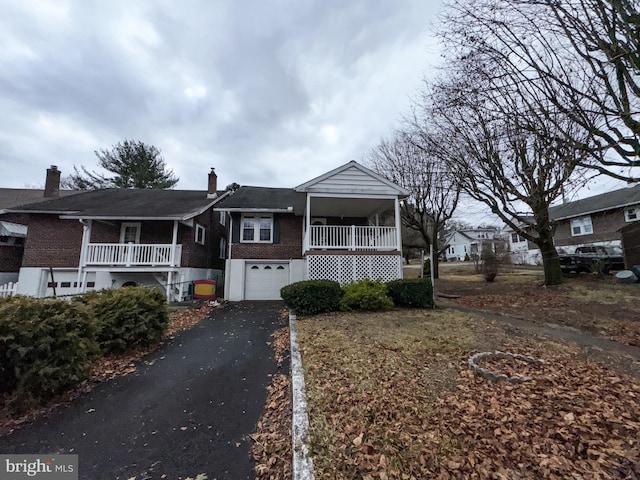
169, 285
229, 240
307, 232
398, 224
86, 238
174, 242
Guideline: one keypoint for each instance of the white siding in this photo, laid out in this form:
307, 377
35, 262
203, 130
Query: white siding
352, 180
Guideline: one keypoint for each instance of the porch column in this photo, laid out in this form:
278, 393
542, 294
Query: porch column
398, 224
86, 238
174, 242
169, 285
307, 232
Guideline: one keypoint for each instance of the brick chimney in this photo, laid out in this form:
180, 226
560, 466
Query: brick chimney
52, 183
213, 183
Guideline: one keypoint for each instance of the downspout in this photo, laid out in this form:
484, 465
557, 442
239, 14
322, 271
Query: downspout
230, 236
86, 232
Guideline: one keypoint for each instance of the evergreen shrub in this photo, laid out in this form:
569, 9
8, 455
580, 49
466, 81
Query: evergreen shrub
365, 294
311, 297
414, 292
46, 347
128, 317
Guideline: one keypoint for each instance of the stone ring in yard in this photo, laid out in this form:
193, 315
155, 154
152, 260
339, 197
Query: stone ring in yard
489, 375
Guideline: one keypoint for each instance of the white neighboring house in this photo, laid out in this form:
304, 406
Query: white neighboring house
522, 251
463, 243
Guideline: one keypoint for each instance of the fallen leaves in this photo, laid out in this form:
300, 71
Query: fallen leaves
400, 403
601, 307
271, 449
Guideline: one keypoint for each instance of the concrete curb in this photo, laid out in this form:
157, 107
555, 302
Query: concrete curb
302, 462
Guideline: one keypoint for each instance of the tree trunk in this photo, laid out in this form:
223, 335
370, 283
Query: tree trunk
436, 258
550, 260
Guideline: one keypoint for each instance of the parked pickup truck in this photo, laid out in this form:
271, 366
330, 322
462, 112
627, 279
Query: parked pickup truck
593, 258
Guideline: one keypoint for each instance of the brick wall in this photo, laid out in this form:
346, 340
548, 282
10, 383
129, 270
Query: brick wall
10, 258
289, 243
605, 228
52, 242
207, 255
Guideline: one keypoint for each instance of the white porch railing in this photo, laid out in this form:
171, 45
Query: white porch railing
351, 238
132, 254
8, 289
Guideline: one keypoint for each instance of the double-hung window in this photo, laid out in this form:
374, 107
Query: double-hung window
581, 226
200, 234
632, 214
257, 229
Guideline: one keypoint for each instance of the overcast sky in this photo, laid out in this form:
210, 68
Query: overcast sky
269, 93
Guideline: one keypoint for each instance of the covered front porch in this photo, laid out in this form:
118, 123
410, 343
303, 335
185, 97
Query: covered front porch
351, 223
161, 261
350, 237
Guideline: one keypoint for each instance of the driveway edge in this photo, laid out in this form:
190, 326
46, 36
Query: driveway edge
302, 461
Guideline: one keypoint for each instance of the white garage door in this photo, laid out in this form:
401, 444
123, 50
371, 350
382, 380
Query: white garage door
263, 281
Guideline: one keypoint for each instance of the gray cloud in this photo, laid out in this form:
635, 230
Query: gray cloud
270, 93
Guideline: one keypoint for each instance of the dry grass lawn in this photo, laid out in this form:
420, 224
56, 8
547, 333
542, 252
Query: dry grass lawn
391, 396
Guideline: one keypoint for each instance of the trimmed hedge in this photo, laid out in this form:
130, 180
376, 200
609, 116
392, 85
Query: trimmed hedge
415, 292
312, 296
365, 295
46, 347
128, 317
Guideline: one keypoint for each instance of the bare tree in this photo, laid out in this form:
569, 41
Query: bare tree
506, 151
408, 160
581, 56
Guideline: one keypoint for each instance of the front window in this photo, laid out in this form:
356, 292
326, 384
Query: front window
257, 229
632, 214
581, 226
200, 234
130, 233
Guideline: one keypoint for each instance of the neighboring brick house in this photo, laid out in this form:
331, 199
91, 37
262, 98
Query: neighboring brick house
14, 226
597, 219
343, 225
114, 237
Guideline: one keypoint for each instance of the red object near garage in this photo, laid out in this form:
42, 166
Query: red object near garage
205, 289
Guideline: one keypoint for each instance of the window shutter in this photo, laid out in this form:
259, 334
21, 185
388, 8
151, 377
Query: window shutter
276, 229
235, 233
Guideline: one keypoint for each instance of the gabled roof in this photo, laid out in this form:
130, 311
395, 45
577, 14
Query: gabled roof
11, 197
261, 199
599, 203
127, 204
352, 178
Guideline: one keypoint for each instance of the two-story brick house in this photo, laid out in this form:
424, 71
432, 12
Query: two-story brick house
343, 225
114, 237
597, 219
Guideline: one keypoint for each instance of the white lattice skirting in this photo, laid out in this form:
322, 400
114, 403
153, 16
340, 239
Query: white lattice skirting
349, 268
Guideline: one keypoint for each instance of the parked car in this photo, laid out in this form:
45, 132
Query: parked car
592, 259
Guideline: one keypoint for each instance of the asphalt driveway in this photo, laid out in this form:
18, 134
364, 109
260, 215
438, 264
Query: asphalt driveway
188, 409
